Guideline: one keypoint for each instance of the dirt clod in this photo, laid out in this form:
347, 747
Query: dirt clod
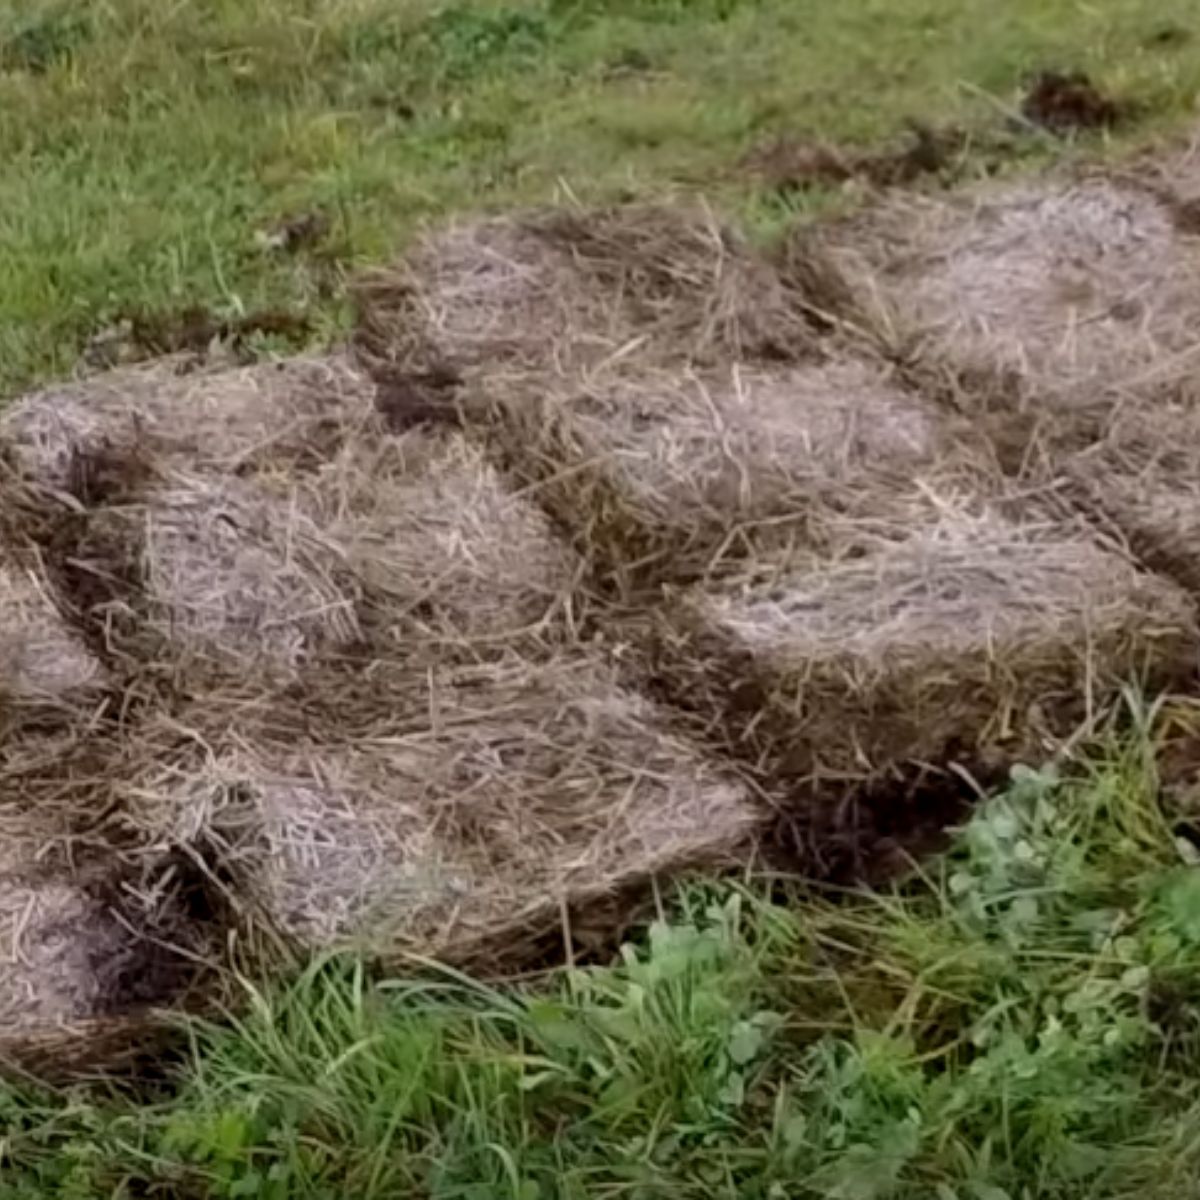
1067, 102
789, 164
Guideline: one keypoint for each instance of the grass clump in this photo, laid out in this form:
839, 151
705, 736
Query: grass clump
1019, 1019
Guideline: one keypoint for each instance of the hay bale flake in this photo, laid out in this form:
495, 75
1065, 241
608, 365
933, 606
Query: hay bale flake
555, 291
487, 801
682, 469
230, 574
284, 415
1063, 296
446, 552
973, 639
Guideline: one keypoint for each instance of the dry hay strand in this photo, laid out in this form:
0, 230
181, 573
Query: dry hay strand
672, 473
447, 555
557, 291
47, 671
219, 573
1056, 298
483, 802
96, 931
1172, 174
1141, 483
290, 415
973, 640
85, 941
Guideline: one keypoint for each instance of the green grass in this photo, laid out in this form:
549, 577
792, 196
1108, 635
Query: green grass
1022, 1020
145, 143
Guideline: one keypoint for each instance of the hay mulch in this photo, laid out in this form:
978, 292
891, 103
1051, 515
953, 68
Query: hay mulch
286, 415
1141, 482
47, 671
473, 811
446, 553
659, 389
220, 574
1172, 175
561, 291
86, 931
971, 641
324, 655
671, 474
1058, 300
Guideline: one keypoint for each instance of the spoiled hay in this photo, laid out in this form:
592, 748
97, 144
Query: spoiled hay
971, 637
559, 291
483, 802
62, 954
674, 470
231, 576
288, 414
446, 553
1062, 298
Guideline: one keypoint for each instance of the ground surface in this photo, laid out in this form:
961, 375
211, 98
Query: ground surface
147, 145
1019, 1022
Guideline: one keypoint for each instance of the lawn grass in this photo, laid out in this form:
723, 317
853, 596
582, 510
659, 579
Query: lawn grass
1022, 1019
145, 143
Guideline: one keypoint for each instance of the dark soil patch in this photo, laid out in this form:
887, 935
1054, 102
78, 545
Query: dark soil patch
877, 834
1067, 102
408, 399
790, 164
